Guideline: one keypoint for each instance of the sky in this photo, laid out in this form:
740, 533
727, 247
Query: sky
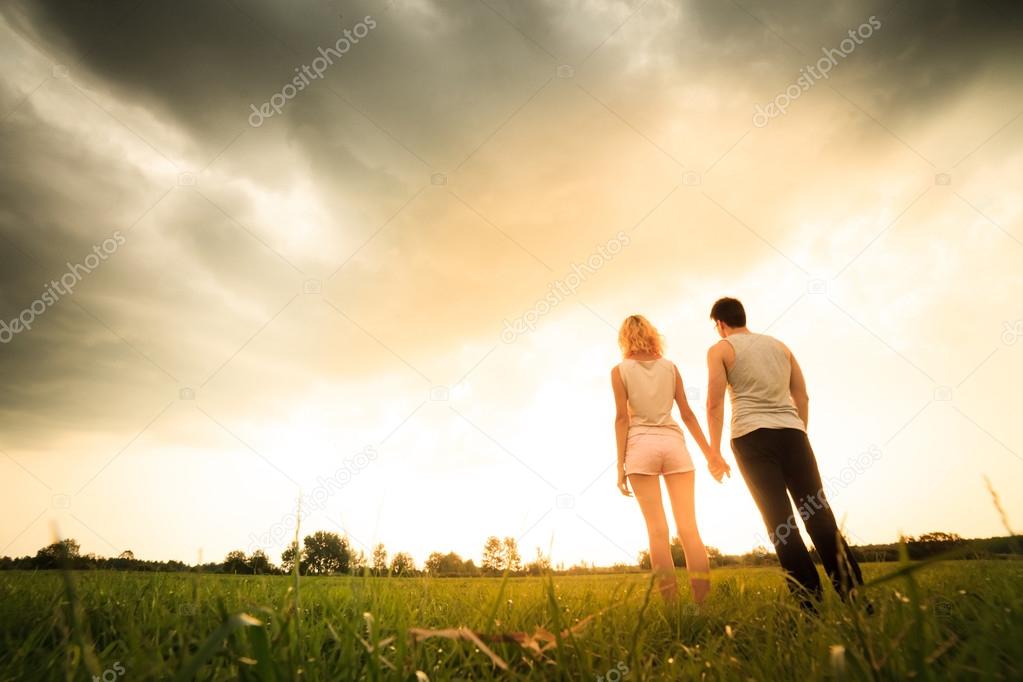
394, 293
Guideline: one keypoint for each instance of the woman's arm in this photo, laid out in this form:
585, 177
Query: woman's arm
621, 426
688, 418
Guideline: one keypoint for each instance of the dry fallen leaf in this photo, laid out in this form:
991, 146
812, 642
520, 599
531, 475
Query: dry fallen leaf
419, 634
537, 642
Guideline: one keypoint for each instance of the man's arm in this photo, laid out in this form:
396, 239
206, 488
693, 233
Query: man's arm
621, 426
717, 381
797, 389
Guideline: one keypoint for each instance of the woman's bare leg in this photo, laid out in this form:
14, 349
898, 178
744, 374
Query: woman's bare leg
647, 489
683, 508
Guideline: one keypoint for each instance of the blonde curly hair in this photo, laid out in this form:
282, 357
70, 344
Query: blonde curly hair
637, 335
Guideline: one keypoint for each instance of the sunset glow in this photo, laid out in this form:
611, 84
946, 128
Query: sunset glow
332, 290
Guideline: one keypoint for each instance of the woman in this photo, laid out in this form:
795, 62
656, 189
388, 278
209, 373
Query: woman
651, 444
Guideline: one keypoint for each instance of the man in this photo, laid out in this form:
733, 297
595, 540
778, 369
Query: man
770, 409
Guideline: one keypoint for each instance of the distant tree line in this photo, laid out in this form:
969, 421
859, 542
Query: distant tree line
327, 553
920, 547
931, 544
758, 556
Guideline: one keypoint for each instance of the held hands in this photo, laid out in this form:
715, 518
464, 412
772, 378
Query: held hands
718, 466
623, 483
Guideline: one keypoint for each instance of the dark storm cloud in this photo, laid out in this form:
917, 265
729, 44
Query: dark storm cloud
924, 52
85, 351
205, 63
202, 62
423, 89
435, 64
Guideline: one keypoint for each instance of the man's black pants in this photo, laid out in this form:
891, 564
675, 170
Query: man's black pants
775, 464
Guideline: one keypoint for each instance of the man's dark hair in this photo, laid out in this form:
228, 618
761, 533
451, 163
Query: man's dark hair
729, 311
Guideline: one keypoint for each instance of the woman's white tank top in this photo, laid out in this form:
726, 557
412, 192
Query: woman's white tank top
650, 388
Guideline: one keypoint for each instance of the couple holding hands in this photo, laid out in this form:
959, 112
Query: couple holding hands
768, 438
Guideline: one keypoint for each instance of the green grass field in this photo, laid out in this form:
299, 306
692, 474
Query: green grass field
953, 620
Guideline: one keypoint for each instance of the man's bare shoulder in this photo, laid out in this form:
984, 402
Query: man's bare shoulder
781, 344
720, 350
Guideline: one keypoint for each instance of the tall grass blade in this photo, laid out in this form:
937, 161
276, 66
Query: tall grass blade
213, 642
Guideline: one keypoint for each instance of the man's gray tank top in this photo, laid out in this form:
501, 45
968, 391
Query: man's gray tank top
759, 385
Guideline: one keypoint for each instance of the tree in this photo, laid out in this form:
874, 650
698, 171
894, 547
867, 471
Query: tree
930, 544
126, 561
235, 562
448, 564
644, 560
53, 556
938, 537
379, 560
358, 563
259, 563
434, 563
540, 565
759, 556
678, 555
512, 560
402, 564
493, 555
288, 557
327, 553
